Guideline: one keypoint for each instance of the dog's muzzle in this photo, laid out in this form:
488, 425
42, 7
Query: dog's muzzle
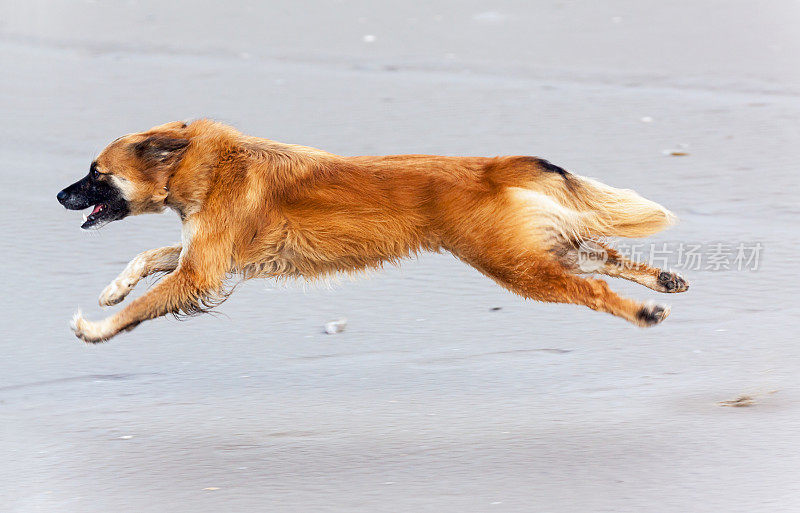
106, 200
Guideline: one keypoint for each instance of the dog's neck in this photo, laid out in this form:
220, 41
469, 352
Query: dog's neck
187, 186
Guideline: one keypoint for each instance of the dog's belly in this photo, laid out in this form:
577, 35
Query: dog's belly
311, 254
305, 266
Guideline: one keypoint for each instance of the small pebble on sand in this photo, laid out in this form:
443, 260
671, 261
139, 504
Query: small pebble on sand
336, 326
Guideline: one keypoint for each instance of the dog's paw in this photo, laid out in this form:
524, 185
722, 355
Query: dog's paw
651, 314
672, 282
91, 332
116, 291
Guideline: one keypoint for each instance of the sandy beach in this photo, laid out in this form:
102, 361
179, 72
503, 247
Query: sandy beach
444, 392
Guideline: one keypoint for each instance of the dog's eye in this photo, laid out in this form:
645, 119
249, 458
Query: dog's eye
93, 172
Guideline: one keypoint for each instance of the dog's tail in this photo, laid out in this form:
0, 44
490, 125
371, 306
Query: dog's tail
590, 208
607, 211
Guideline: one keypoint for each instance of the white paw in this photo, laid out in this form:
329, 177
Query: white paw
115, 292
88, 331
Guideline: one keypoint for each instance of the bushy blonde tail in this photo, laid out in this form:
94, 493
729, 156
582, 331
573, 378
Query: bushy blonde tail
577, 206
608, 211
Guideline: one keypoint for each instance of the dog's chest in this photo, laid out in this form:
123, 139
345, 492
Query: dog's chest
188, 229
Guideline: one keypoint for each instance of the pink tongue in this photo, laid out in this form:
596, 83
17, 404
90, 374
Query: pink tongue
97, 209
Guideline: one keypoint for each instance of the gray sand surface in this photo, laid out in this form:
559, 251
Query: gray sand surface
430, 400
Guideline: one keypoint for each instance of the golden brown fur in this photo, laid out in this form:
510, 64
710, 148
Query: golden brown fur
258, 208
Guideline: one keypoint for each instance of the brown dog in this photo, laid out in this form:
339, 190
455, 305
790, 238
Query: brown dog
258, 208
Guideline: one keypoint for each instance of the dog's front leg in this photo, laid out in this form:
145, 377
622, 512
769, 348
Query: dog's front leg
182, 290
144, 264
196, 282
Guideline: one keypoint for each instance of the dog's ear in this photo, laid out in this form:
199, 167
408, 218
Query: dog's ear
161, 149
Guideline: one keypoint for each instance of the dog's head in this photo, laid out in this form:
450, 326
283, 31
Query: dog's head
130, 176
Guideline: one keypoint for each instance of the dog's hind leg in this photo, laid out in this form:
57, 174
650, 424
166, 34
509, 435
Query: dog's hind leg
537, 277
514, 244
144, 264
595, 257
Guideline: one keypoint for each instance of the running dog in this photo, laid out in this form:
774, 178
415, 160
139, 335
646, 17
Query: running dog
257, 208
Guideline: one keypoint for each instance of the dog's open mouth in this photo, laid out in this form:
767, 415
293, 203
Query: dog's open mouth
99, 212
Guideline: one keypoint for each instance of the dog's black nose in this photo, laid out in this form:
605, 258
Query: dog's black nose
62, 196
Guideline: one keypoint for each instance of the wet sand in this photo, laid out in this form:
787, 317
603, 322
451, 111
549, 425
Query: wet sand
432, 399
